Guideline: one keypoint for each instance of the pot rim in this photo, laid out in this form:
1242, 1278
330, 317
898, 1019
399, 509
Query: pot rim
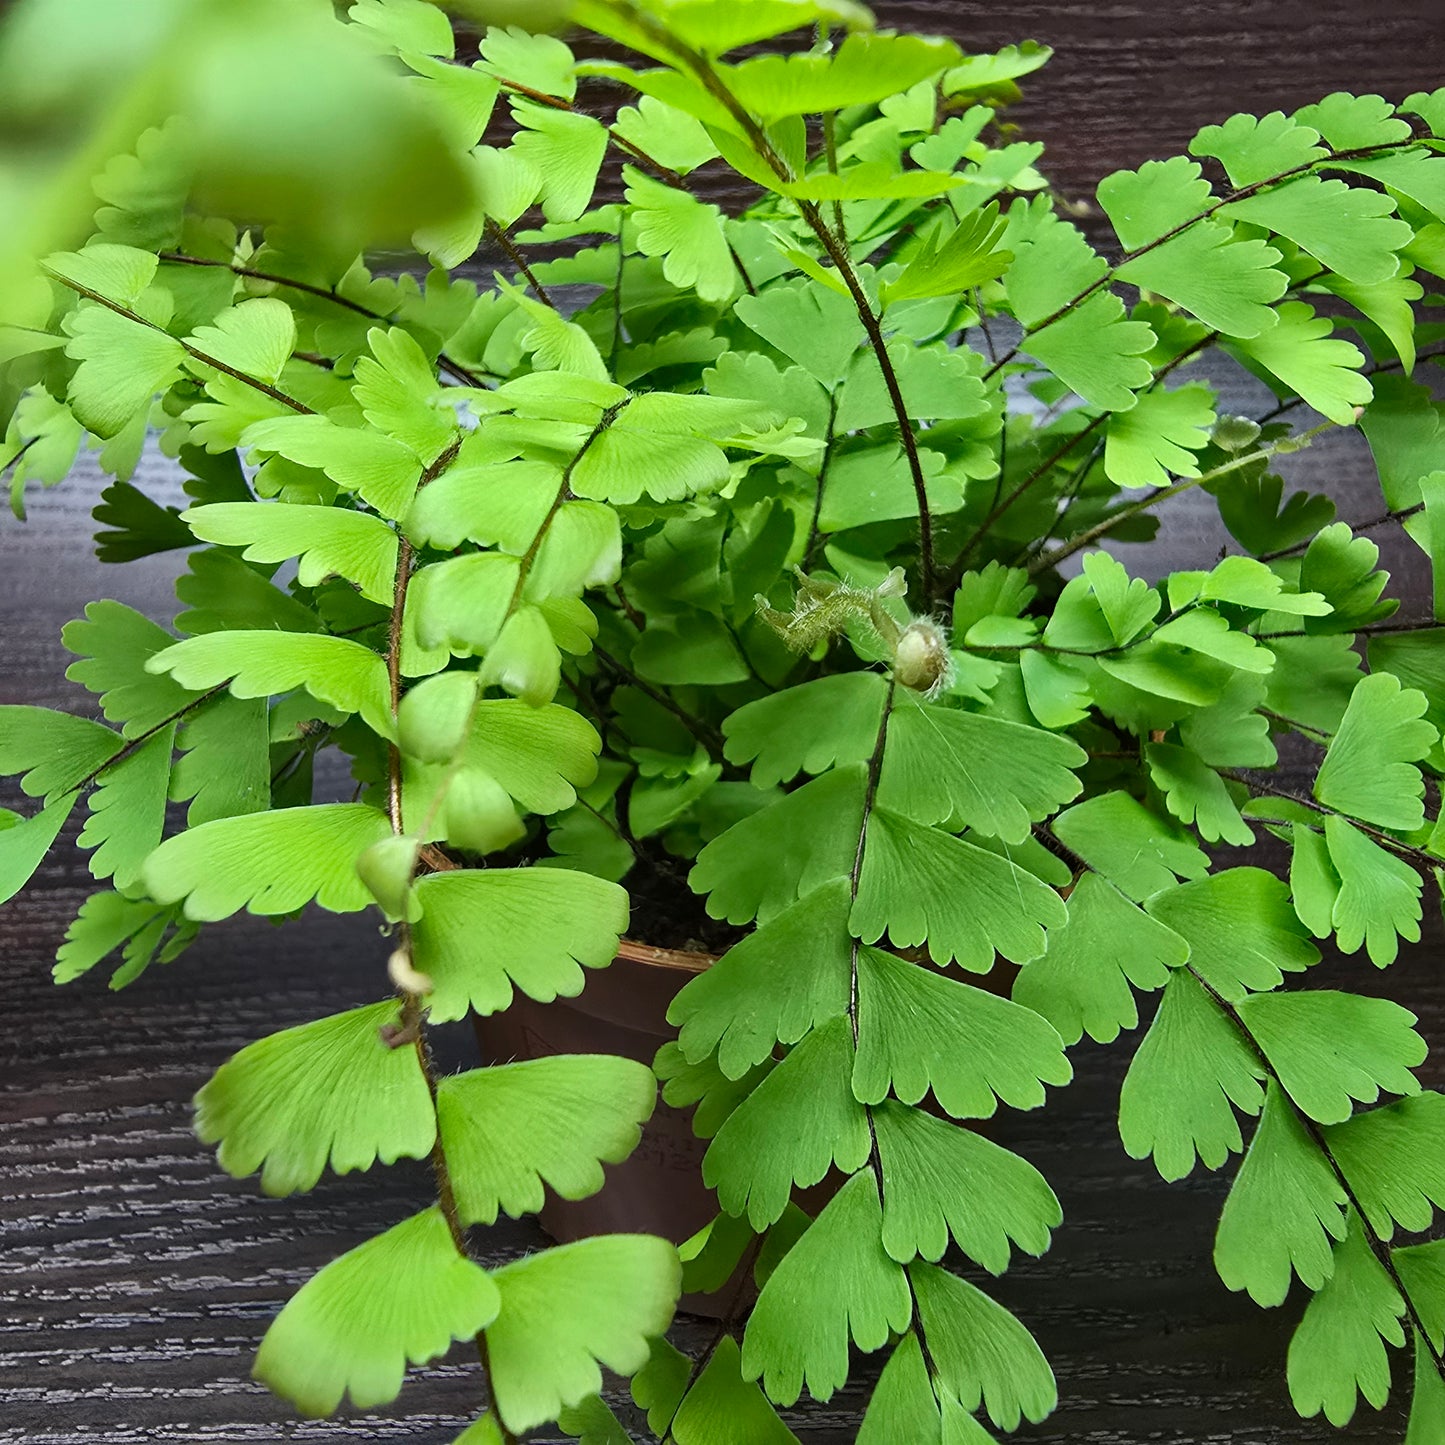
678, 959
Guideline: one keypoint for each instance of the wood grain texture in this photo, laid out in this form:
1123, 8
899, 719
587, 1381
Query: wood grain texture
136, 1280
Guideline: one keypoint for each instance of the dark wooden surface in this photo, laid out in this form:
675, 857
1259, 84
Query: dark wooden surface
136, 1280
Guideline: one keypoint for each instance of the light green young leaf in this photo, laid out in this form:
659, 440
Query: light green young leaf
540, 755
1338, 1348
1139, 852
920, 1031
767, 860
834, 1285
903, 1406
224, 764
1313, 882
464, 601
945, 267
1394, 1158
1351, 230
330, 541
670, 136
1158, 437
1129, 604
1083, 982
1369, 771
255, 338
511, 1129
1255, 148
1203, 630
801, 1121
1196, 794
399, 394
746, 1003
352, 1329
565, 148
495, 504
556, 344
1283, 1211
381, 470
115, 644
1191, 1067
330, 1092
333, 670
982, 1353
128, 810
941, 765
542, 925
53, 750
119, 273
407, 26
941, 1180
963, 902
1329, 1048
1242, 932
1248, 583
1378, 898
827, 723
123, 364
24, 842
1301, 355
268, 863
567, 1310
686, 233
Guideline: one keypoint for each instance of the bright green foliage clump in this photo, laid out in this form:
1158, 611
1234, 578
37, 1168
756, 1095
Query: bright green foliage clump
738, 545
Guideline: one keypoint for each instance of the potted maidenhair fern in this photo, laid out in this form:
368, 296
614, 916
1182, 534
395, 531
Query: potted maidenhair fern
729, 589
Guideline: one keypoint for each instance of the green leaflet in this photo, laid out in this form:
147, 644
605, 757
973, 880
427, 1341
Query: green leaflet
567, 1310
128, 810
940, 764
834, 1285
398, 392
540, 755
1393, 1158
766, 861
352, 1329
1096, 352
115, 644
24, 842
1338, 1348
962, 902
1242, 932
687, 233
540, 926
511, 1129
827, 723
1196, 794
1253, 149
1342, 569
255, 338
268, 863
807, 1102
224, 764
380, 469
1349, 230
1283, 1212
123, 364
981, 1352
722, 1406
940, 1180
1300, 355
52, 751
808, 323
773, 986
1369, 769
703, 1084
333, 670
1329, 1049
330, 541
903, 1406
1378, 896
1190, 1073
1085, 980
325, 1092
495, 503
107, 921
1158, 438
1139, 852
918, 1030
565, 148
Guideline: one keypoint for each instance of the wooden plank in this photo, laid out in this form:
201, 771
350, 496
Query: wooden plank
135, 1280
